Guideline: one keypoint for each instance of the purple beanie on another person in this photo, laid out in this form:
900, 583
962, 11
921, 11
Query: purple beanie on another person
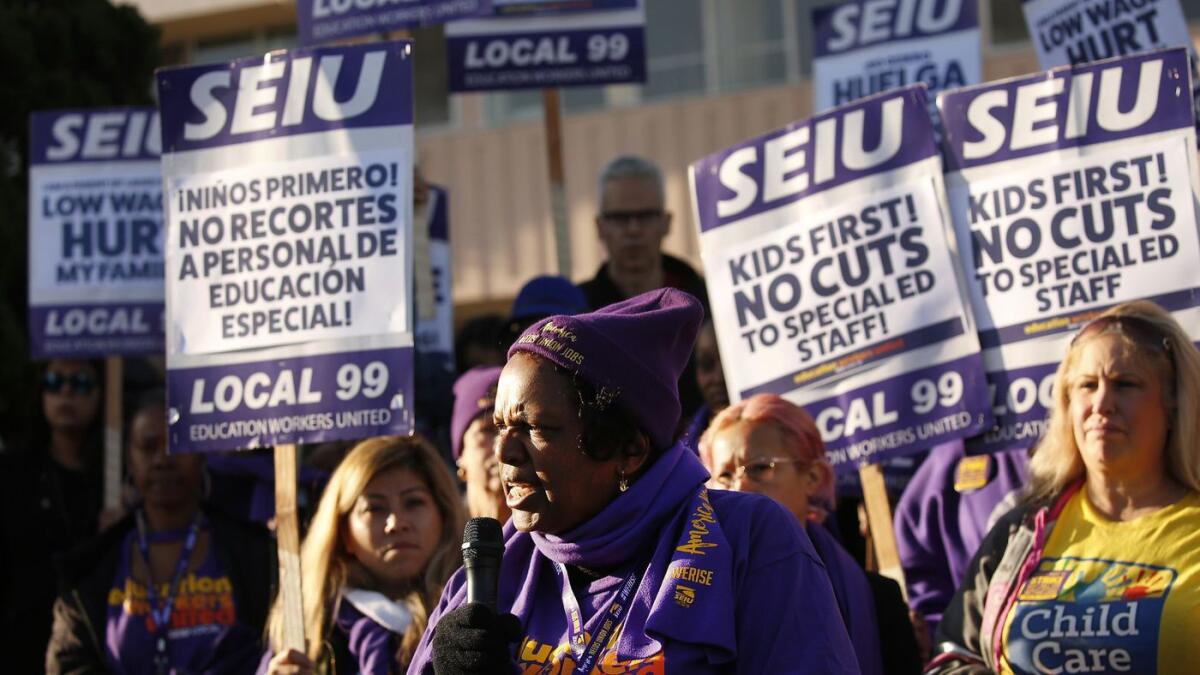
631, 352
474, 395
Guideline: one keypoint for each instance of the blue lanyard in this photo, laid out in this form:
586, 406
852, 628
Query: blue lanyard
587, 652
162, 616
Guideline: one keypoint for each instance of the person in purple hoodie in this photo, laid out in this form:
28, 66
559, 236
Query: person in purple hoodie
942, 516
472, 436
770, 446
617, 557
710, 379
175, 586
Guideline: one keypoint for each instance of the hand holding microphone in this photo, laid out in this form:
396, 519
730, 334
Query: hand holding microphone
473, 638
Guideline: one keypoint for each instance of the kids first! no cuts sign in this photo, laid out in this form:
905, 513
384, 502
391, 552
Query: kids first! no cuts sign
830, 263
1071, 191
288, 191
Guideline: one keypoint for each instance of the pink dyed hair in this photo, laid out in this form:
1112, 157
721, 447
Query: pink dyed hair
804, 440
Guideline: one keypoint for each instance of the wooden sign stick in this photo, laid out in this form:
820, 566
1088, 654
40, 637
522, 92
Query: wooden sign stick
287, 536
113, 414
552, 120
879, 521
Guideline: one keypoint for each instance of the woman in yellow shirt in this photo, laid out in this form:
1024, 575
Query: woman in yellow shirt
1099, 570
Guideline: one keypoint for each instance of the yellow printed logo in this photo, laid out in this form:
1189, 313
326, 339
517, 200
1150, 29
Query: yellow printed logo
972, 473
1044, 586
684, 596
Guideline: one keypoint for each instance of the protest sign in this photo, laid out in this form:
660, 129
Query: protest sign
95, 233
864, 47
548, 43
434, 300
1071, 191
1072, 32
288, 184
830, 266
327, 20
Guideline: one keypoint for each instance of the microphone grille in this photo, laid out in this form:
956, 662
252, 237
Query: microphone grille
482, 537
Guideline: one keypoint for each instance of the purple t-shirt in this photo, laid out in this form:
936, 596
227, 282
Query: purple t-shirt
944, 514
729, 581
203, 615
372, 645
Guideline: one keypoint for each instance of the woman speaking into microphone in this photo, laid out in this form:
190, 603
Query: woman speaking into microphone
617, 557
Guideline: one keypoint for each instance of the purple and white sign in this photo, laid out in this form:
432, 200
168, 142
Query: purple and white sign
95, 233
431, 260
830, 266
288, 190
1073, 32
327, 20
1071, 191
540, 45
864, 47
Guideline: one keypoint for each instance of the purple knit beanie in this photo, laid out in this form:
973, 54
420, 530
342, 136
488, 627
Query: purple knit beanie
474, 395
631, 351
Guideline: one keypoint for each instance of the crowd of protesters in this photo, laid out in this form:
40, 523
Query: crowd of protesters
619, 470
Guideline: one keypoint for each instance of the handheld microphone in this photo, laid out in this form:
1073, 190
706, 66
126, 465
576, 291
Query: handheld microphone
483, 545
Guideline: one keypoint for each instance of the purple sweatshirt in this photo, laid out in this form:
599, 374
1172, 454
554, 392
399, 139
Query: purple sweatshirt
944, 514
729, 582
854, 598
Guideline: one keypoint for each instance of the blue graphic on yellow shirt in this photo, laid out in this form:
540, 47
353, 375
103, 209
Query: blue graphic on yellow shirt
1080, 615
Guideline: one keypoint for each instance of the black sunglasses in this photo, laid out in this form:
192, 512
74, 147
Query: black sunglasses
79, 382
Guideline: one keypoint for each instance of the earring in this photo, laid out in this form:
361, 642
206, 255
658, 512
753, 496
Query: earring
622, 481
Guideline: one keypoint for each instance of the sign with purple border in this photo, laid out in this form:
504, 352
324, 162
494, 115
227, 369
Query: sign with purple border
288, 190
537, 45
830, 266
95, 233
320, 21
1073, 32
863, 47
1071, 191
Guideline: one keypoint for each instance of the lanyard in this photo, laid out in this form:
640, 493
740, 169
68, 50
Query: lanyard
162, 616
587, 652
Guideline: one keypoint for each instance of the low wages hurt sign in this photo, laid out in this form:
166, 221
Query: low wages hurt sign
95, 233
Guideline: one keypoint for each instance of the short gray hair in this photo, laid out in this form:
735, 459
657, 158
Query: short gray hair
629, 166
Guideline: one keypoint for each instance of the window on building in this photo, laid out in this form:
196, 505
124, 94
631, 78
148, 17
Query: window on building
430, 81
1008, 22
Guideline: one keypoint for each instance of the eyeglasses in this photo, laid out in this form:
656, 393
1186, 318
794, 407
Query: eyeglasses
642, 217
761, 471
79, 382
1145, 333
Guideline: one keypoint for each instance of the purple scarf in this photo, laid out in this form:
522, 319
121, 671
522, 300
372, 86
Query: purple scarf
665, 510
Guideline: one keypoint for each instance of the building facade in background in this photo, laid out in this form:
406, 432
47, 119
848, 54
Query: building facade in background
719, 71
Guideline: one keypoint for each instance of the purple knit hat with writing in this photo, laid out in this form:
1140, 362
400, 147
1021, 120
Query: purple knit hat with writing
631, 351
474, 395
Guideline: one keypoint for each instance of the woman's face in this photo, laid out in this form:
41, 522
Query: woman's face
164, 481
70, 394
1118, 412
549, 483
480, 471
770, 466
394, 527
709, 376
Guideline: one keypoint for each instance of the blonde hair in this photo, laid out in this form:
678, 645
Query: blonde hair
326, 566
1057, 462
802, 436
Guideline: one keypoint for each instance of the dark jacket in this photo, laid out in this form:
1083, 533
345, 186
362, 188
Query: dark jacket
245, 552
897, 641
602, 291
44, 510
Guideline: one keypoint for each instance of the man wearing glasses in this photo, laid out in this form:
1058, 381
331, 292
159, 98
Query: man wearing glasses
632, 222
